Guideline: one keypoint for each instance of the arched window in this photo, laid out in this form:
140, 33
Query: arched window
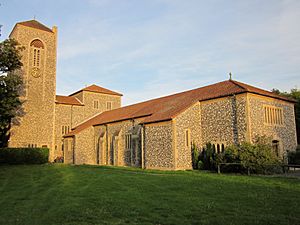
37, 46
218, 148
223, 148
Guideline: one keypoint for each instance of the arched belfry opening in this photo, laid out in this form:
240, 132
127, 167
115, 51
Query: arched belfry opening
36, 57
36, 43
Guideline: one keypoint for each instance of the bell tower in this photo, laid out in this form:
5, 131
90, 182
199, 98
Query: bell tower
36, 127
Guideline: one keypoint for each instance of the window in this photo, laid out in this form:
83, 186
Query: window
128, 141
37, 46
218, 147
32, 145
187, 138
65, 130
273, 115
109, 105
96, 104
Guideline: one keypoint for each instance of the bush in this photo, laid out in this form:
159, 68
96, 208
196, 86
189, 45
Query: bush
207, 156
200, 165
259, 157
195, 156
294, 157
24, 155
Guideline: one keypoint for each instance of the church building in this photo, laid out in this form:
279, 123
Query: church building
90, 126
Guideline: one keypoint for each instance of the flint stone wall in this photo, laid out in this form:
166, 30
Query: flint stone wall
224, 120
159, 152
286, 133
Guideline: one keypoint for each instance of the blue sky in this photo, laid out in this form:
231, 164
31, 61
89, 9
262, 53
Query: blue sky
150, 48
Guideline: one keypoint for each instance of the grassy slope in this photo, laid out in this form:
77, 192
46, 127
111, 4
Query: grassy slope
60, 194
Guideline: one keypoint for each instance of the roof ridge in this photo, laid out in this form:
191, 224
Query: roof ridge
104, 90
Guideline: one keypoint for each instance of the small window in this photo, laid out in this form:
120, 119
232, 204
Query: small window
109, 105
65, 130
128, 141
223, 148
96, 104
218, 148
187, 138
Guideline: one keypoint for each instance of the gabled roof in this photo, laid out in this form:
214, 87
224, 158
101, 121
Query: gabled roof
168, 107
35, 24
97, 89
67, 100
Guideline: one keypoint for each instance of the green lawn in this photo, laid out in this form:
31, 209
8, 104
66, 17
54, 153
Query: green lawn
61, 194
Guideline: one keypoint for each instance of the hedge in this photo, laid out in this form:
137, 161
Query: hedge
24, 155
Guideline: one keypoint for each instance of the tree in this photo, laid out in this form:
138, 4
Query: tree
295, 94
11, 88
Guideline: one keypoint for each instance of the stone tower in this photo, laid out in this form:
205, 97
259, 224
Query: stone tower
39, 75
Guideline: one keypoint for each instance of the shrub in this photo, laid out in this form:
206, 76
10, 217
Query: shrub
207, 157
258, 157
24, 155
200, 165
195, 156
294, 157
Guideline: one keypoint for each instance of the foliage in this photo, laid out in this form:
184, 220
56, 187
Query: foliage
207, 157
258, 157
195, 156
200, 165
295, 94
24, 155
11, 88
10, 56
294, 157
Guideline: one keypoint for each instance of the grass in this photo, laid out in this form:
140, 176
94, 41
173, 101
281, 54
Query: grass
61, 194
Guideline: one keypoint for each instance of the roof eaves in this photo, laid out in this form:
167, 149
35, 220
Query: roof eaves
120, 120
157, 121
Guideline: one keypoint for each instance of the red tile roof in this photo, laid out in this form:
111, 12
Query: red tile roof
35, 24
168, 107
67, 100
98, 89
